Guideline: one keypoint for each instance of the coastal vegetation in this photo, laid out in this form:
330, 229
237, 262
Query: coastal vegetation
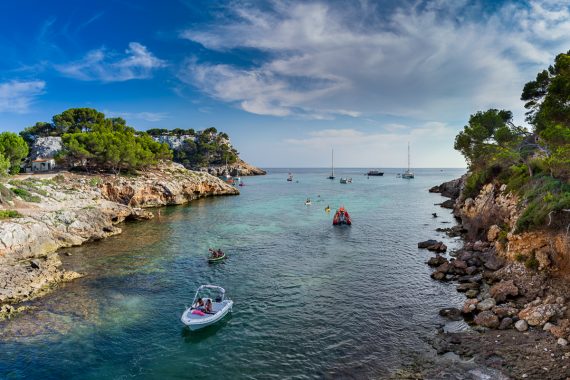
535, 163
93, 142
199, 149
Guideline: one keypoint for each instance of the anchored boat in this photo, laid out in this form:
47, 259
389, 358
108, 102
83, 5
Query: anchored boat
198, 316
375, 173
341, 217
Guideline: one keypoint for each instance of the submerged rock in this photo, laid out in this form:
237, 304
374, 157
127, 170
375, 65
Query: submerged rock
451, 313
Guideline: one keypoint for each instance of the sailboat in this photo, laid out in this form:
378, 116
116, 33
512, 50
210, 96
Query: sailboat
408, 174
332, 166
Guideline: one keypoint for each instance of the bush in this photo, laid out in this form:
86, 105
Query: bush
520, 258
26, 195
544, 196
531, 262
6, 214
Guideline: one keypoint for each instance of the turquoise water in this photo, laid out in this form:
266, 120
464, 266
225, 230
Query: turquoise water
310, 300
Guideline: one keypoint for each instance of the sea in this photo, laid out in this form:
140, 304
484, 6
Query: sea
311, 300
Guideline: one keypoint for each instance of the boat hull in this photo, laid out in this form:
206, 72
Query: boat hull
200, 323
212, 260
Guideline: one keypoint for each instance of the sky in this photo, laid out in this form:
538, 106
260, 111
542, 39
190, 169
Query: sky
287, 80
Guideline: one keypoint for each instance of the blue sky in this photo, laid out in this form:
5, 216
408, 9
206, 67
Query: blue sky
287, 80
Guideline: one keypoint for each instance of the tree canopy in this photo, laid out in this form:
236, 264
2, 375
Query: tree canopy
535, 164
13, 149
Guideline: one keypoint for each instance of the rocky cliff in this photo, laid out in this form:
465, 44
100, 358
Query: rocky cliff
239, 168
69, 210
492, 216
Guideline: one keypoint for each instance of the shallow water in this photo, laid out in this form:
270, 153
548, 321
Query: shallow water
310, 300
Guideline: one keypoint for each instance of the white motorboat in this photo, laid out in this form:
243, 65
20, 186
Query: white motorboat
196, 317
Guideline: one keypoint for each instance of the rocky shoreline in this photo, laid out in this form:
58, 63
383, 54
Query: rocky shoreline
515, 288
70, 209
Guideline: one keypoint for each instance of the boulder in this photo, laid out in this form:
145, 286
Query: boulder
560, 330
443, 267
469, 306
427, 243
487, 319
503, 289
462, 288
547, 326
506, 323
472, 293
539, 315
450, 203
493, 262
471, 270
439, 276
451, 313
480, 246
543, 259
437, 247
493, 232
459, 264
436, 261
503, 311
521, 325
486, 304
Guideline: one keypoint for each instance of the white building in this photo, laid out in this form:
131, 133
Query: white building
43, 164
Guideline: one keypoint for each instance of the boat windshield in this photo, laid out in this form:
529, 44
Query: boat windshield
215, 293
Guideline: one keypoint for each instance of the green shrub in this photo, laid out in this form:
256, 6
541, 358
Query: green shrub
59, 178
26, 195
520, 258
544, 196
531, 262
6, 214
95, 181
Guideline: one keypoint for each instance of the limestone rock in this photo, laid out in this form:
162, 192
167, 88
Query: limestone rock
503, 311
506, 323
436, 261
521, 325
503, 289
539, 315
486, 304
469, 306
493, 232
487, 319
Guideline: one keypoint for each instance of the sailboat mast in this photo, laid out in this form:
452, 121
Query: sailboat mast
408, 156
332, 162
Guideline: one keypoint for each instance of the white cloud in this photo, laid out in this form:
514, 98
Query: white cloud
100, 65
17, 96
357, 148
418, 62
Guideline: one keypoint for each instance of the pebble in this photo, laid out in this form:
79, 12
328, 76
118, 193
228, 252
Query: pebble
562, 342
521, 325
547, 326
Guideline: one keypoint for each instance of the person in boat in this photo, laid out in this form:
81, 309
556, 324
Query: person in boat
208, 306
199, 304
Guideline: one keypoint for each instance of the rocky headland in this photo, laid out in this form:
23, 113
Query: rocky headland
65, 209
515, 285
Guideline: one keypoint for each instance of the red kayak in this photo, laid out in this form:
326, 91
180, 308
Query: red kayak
341, 217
